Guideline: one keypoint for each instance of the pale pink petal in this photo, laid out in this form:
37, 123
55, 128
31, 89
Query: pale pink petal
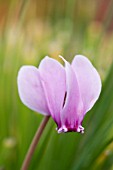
72, 112
88, 80
31, 91
53, 75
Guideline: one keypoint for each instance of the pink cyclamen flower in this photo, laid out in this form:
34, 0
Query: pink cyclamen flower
64, 93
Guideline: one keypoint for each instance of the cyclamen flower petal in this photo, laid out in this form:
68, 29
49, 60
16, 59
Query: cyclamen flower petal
31, 90
88, 80
53, 75
65, 93
71, 114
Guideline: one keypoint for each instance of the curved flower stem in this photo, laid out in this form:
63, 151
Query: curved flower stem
34, 143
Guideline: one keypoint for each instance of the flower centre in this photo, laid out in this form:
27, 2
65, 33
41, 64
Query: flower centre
65, 129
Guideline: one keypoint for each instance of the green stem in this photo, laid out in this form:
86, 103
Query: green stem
34, 143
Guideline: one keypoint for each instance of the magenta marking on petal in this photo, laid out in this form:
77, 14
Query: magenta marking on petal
65, 129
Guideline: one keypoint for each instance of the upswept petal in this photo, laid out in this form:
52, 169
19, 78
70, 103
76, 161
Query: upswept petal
53, 75
31, 90
71, 115
88, 79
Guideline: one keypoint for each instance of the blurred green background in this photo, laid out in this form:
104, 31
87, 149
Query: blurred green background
29, 30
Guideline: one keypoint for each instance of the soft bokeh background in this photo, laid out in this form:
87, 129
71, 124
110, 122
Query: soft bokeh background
29, 30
